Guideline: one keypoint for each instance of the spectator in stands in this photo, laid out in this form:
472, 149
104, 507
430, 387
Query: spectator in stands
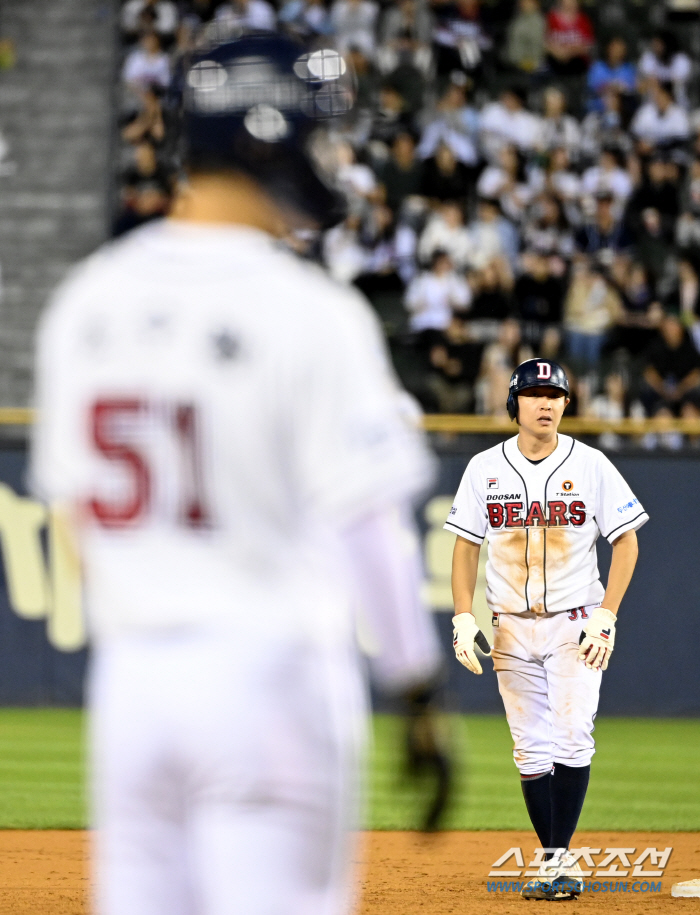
507, 183
570, 38
460, 38
609, 404
636, 323
492, 237
658, 191
591, 309
660, 122
614, 72
148, 122
405, 35
546, 232
305, 19
538, 296
684, 300
445, 177
147, 66
664, 62
607, 177
445, 231
454, 366
508, 122
559, 129
525, 38
607, 236
672, 372
357, 180
454, 122
252, 15
558, 179
492, 294
606, 128
497, 364
402, 175
164, 12
688, 226
435, 295
354, 24
146, 172
389, 118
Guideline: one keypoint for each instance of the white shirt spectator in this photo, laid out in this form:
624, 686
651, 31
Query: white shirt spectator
499, 127
431, 300
248, 14
616, 180
166, 16
354, 24
677, 71
343, 254
145, 69
652, 125
439, 236
563, 132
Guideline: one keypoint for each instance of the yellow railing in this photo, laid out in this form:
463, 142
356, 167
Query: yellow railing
479, 425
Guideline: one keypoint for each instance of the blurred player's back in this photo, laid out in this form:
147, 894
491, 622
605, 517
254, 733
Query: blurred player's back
202, 365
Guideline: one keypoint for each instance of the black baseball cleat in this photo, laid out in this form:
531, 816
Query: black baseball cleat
557, 890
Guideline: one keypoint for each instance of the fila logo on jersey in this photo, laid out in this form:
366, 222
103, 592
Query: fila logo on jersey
567, 485
510, 514
544, 370
492, 483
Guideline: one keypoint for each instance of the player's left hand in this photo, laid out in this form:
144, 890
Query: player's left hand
598, 639
466, 633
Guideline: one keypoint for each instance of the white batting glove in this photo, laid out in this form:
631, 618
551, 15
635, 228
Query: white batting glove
598, 639
465, 632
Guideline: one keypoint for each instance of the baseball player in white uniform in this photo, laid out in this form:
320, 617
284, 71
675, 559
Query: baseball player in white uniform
541, 499
221, 423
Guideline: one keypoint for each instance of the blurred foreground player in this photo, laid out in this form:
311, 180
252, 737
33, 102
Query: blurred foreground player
221, 421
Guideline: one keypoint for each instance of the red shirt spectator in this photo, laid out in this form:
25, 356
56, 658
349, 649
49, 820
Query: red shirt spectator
570, 37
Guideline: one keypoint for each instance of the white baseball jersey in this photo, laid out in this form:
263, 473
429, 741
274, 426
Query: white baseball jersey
217, 410
542, 521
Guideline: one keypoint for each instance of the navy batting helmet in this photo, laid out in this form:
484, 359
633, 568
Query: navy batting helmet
253, 104
535, 373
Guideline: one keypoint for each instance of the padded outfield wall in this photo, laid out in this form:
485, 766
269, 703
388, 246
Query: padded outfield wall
655, 669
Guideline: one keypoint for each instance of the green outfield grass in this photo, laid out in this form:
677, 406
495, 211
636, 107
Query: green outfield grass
645, 774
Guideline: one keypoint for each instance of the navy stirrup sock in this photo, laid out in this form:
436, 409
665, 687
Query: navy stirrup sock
568, 786
536, 791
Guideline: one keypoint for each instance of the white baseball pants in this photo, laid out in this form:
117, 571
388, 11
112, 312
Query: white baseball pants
550, 697
225, 776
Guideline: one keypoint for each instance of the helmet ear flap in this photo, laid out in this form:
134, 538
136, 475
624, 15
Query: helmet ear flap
512, 406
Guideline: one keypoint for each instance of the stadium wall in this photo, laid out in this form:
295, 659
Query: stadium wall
654, 670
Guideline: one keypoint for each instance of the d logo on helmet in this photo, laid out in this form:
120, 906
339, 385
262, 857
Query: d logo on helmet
544, 370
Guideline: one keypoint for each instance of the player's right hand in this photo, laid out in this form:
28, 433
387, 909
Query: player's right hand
466, 632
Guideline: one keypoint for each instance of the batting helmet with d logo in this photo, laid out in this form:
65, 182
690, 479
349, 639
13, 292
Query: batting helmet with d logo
535, 373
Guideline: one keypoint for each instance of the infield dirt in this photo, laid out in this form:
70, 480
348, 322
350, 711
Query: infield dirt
45, 873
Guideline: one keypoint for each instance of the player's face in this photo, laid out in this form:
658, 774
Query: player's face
540, 409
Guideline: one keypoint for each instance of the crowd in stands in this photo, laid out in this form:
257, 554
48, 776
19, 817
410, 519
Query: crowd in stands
520, 181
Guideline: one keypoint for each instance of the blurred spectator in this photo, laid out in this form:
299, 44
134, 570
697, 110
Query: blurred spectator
538, 295
559, 180
148, 122
606, 128
405, 34
607, 177
547, 232
254, 15
685, 298
445, 231
454, 366
435, 295
357, 180
164, 17
610, 405
507, 122
525, 38
591, 308
459, 36
636, 322
403, 173
353, 23
499, 360
688, 226
672, 372
492, 236
147, 65
559, 129
614, 72
507, 183
607, 236
453, 122
445, 177
390, 118
305, 19
146, 172
492, 288
570, 38
658, 191
664, 62
343, 253
660, 122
